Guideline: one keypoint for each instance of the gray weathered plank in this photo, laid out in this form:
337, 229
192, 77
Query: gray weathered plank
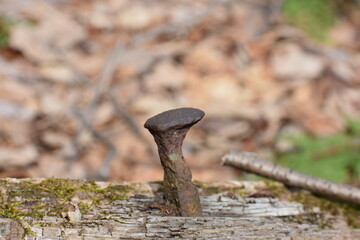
224, 217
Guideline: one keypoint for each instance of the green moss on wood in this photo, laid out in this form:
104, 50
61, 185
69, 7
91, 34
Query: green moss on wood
208, 189
32, 200
349, 211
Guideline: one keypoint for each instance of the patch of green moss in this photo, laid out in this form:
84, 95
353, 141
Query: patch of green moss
115, 192
43, 224
29, 200
84, 207
276, 188
5, 25
206, 188
350, 211
310, 218
11, 210
334, 157
68, 224
160, 189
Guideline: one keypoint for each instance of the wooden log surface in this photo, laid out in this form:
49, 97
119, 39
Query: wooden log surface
122, 210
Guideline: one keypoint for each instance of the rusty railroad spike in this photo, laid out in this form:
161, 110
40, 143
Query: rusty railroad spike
169, 130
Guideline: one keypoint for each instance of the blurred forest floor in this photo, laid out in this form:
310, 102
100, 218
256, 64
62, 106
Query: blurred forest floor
80, 77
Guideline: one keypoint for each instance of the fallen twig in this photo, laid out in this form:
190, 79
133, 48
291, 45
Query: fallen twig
104, 171
249, 162
121, 112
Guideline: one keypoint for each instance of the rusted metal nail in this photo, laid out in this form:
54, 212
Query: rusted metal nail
169, 130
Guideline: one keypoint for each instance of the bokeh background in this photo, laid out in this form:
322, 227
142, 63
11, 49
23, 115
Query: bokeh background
78, 79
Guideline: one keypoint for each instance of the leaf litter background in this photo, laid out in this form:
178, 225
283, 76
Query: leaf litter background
80, 78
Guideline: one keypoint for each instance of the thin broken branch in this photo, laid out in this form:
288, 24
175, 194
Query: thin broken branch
104, 171
122, 113
249, 162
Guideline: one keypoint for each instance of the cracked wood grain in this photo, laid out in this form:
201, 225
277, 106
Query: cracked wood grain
223, 217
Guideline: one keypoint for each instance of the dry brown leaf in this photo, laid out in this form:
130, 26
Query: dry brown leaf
12, 110
166, 76
57, 72
154, 104
343, 71
207, 58
54, 105
314, 119
18, 157
18, 92
260, 85
55, 29
102, 14
137, 17
55, 166
54, 140
343, 34
347, 100
15, 133
218, 95
104, 114
290, 61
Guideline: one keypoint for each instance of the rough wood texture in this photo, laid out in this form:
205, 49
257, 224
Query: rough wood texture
226, 216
